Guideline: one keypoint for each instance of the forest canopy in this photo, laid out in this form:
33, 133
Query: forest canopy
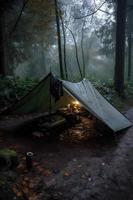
88, 38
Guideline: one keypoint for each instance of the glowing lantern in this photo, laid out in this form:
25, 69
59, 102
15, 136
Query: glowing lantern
76, 106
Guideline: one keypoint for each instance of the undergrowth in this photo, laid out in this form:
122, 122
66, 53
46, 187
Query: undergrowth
108, 91
13, 89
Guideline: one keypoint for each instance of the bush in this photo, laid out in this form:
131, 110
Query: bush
108, 91
12, 89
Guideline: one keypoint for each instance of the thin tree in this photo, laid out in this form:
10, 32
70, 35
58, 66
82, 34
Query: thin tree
2, 47
64, 46
4, 6
82, 48
76, 52
129, 42
59, 39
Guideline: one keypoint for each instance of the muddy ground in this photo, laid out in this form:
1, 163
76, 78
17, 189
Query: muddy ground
99, 168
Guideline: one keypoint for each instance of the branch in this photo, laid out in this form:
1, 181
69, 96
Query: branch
76, 52
105, 12
92, 12
15, 25
102, 10
19, 17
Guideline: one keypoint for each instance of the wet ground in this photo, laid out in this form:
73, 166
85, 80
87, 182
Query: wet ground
75, 167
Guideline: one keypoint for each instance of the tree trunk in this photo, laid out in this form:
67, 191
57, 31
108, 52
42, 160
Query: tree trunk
2, 48
42, 58
120, 47
64, 47
82, 50
59, 39
129, 44
76, 52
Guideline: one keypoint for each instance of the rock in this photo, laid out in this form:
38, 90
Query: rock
89, 179
8, 159
38, 134
103, 164
50, 183
74, 160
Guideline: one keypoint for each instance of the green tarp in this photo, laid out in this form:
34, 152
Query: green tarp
41, 100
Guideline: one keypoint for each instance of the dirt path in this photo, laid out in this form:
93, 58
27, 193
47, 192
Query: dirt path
100, 169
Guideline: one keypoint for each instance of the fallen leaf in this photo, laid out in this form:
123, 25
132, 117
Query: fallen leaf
32, 185
24, 183
40, 168
26, 178
25, 190
47, 173
66, 174
35, 163
15, 189
79, 166
35, 197
19, 194
21, 167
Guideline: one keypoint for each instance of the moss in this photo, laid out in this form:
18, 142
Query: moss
8, 158
7, 153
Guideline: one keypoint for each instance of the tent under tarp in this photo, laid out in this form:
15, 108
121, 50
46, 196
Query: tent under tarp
41, 100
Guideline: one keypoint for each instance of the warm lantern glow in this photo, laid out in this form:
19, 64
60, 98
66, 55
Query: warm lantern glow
76, 106
75, 103
68, 106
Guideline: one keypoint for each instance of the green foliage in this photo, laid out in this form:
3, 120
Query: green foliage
106, 33
105, 88
7, 88
22, 86
12, 89
108, 91
35, 29
129, 86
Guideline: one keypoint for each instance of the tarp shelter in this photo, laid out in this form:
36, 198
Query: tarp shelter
40, 99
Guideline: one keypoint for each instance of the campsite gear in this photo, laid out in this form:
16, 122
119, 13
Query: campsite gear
39, 99
29, 157
56, 88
